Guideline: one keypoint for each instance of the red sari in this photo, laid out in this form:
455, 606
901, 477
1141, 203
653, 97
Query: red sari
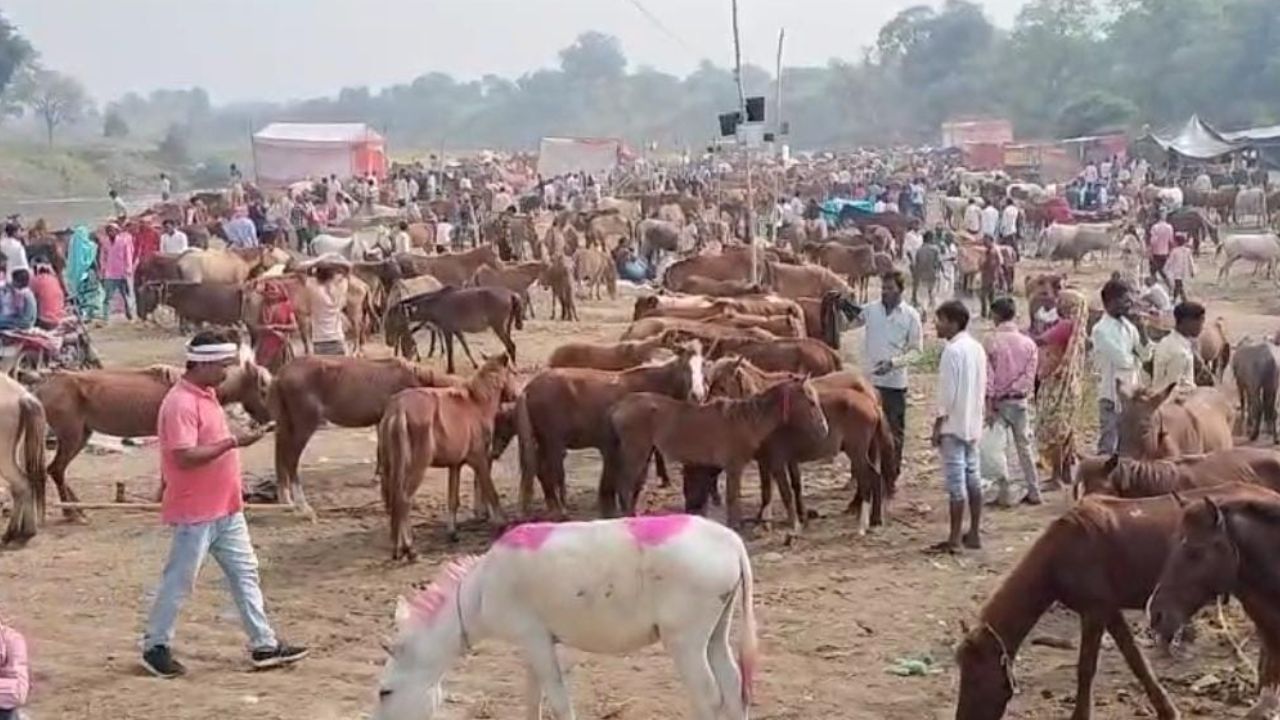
273, 344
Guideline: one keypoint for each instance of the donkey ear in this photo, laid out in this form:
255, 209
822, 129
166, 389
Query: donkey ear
402, 611
1111, 464
964, 626
1219, 518
387, 646
1164, 394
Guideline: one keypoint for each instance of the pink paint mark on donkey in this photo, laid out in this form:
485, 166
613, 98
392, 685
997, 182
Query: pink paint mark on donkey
530, 536
656, 529
427, 604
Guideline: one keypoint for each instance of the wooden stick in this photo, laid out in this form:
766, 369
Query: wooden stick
153, 507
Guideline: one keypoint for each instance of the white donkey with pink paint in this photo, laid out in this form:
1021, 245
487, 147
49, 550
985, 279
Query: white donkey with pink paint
607, 586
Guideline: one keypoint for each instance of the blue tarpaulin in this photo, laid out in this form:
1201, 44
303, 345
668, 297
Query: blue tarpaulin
833, 207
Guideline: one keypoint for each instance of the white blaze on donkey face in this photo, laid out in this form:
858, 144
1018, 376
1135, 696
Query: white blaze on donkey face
608, 586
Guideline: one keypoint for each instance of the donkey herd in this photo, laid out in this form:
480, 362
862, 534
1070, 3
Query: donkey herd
714, 380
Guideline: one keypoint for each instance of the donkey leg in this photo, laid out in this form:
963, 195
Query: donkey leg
733, 496
70, 444
725, 669
688, 647
664, 479
485, 489
541, 661
1091, 628
451, 517
532, 695
1119, 629
462, 339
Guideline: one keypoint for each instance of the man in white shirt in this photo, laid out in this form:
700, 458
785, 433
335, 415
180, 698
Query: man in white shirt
957, 427
973, 217
118, 208
912, 241
991, 221
1174, 360
1091, 173
327, 296
402, 188
166, 186
400, 241
894, 337
1118, 353
14, 252
173, 241
1009, 222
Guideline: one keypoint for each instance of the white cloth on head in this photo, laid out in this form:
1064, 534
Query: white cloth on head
218, 352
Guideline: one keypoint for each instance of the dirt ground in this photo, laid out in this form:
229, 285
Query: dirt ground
836, 611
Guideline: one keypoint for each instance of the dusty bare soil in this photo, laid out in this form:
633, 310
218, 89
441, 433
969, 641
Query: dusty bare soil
836, 610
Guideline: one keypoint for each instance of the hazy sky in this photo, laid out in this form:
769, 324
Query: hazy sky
288, 49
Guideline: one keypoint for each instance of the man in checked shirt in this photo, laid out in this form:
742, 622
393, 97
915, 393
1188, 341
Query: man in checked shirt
1011, 374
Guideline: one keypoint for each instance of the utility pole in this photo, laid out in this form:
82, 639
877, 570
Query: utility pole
777, 102
742, 109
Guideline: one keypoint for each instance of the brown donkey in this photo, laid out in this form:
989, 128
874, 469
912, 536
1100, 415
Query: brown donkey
564, 409
1226, 545
455, 311
1100, 558
22, 431
125, 403
798, 355
612, 356
440, 427
346, 391
517, 278
856, 426
721, 433
1125, 477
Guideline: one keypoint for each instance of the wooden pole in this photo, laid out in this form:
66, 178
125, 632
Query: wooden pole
742, 108
777, 102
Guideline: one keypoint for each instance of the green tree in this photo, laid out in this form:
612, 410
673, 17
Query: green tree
1093, 113
114, 126
15, 52
176, 146
593, 57
55, 98
1051, 57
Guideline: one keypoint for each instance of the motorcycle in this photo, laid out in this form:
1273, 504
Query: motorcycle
37, 351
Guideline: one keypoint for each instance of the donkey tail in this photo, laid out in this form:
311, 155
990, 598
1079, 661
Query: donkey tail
528, 442
748, 640
887, 452
611, 279
393, 459
515, 316
32, 426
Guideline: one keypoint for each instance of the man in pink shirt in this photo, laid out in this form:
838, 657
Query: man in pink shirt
15, 675
1012, 358
1159, 245
200, 468
117, 269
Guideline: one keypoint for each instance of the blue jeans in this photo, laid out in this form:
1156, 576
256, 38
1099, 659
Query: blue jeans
124, 287
227, 539
960, 468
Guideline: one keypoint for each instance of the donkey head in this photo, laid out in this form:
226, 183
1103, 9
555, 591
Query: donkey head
690, 359
1203, 564
986, 676
1141, 429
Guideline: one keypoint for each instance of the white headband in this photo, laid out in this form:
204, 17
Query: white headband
220, 352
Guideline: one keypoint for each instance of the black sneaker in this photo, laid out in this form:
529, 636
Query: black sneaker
159, 662
278, 656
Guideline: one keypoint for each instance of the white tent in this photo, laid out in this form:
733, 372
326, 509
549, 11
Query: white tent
561, 156
288, 152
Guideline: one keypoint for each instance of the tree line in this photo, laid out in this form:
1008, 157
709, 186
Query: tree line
1065, 68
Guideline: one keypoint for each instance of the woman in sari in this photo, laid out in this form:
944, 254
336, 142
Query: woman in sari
278, 324
1061, 371
82, 275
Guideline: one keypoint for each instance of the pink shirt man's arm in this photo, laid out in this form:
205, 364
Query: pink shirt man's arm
15, 673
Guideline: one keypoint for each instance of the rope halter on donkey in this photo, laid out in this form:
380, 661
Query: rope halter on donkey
425, 606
